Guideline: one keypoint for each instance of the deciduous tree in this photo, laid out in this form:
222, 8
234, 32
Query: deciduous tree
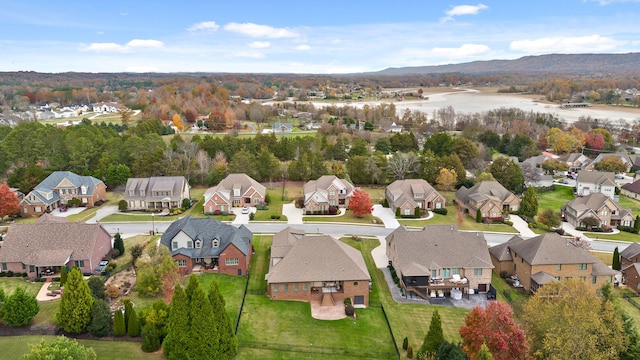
495, 328
549, 217
552, 165
611, 164
507, 173
61, 348
360, 203
9, 204
74, 313
446, 180
484, 176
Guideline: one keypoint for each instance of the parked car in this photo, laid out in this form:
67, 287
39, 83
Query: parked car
245, 210
103, 265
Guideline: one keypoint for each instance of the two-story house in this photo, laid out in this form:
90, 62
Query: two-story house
409, 194
589, 182
326, 191
439, 259
598, 206
235, 190
630, 266
490, 197
58, 189
158, 192
576, 161
548, 257
208, 245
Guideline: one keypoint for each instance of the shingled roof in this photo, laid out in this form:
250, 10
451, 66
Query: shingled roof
631, 251
484, 190
593, 202
402, 191
550, 249
242, 182
597, 177
54, 179
49, 244
319, 258
633, 187
501, 252
320, 186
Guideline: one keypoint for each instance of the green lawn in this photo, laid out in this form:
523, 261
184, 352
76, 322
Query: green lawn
555, 199
468, 223
112, 199
627, 202
622, 235
14, 347
376, 194
10, 284
348, 217
275, 206
124, 261
231, 288
46, 317
605, 257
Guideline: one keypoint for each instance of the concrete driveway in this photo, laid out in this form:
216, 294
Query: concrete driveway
387, 216
70, 211
522, 226
242, 218
293, 214
103, 212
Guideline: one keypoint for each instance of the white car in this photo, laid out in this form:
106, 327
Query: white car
245, 210
103, 264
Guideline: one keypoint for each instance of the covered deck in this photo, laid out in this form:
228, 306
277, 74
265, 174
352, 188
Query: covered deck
438, 288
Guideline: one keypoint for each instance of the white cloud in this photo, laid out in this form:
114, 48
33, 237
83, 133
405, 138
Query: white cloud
106, 47
139, 43
260, 44
250, 54
255, 30
204, 26
563, 44
303, 47
464, 10
336, 41
607, 2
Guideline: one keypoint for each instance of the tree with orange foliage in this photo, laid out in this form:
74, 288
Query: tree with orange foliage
9, 204
360, 203
177, 122
495, 327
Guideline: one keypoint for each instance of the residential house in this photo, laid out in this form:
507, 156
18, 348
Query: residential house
105, 107
490, 197
576, 161
282, 128
208, 245
627, 159
409, 194
631, 190
599, 206
535, 176
326, 191
548, 257
44, 248
58, 189
631, 277
235, 190
158, 192
590, 182
630, 255
316, 268
439, 258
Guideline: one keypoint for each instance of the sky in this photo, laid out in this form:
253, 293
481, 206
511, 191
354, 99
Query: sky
312, 37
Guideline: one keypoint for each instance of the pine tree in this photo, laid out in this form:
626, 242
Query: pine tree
133, 327
484, 353
434, 336
615, 264
100, 324
119, 328
63, 276
228, 341
19, 308
128, 309
151, 337
175, 344
529, 203
636, 223
204, 344
118, 243
478, 216
74, 313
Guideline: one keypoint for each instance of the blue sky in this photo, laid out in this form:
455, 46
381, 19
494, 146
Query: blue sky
303, 36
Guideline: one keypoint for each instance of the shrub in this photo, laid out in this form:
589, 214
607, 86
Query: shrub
405, 343
217, 212
629, 229
186, 203
560, 231
504, 274
507, 222
385, 203
397, 212
275, 217
3, 274
224, 213
252, 216
347, 301
441, 211
333, 210
267, 198
349, 310
122, 205
478, 216
409, 352
114, 253
416, 212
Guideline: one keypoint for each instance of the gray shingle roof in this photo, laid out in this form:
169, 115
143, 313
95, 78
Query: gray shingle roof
319, 258
206, 230
46, 244
47, 185
323, 183
631, 251
593, 202
242, 181
501, 252
402, 191
634, 187
284, 241
438, 246
151, 185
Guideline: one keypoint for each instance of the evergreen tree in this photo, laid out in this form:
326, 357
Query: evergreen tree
151, 337
203, 344
409, 352
636, 224
450, 351
119, 328
484, 353
2, 298
133, 327
405, 343
478, 216
59, 348
118, 243
74, 313
100, 324
19, 308
228, 341
615, 264
434, 336
154, 329
63, 276
529, 203
96, 285
128, 309
175, 344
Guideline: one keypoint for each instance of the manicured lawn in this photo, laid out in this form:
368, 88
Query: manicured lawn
10, 284
555, 199
348, 217
231, 288
605, 257
468, 223
622, 235
46, 317
275, 206
376, 194
627, 202
14, 347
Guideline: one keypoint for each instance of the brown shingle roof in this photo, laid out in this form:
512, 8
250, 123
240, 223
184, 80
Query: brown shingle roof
631, 251
501, 252
596, 177
550, 249
319, 258
634, 187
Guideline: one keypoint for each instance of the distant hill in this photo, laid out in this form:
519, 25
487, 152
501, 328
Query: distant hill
578, 64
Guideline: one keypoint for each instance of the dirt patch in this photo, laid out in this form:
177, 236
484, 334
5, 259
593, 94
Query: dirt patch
119, 286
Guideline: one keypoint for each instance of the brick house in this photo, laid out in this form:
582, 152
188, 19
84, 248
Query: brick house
590, 182
409, 194
631, 190
316, 268
630, 266
50, 245
576, 161
599, 206
235, 190
209, 245
326, 191
548, 257
490, 197
439, 258
158, 192
60, 187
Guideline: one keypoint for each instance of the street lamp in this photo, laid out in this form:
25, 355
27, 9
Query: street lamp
153, 223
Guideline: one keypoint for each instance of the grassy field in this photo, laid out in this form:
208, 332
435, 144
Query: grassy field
14, 347
275, 206
555, 199
10, 284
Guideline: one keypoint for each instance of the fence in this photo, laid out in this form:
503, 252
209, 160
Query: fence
244, 296
393, 338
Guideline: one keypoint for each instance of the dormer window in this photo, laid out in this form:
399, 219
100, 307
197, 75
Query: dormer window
141, 192
198, 244
130, 192
215, 243
84, 190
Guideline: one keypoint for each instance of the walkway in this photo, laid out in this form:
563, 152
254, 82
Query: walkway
42, 294
387, 216
103, 212
522, 226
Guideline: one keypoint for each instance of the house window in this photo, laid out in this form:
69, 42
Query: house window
84, 200
455, 271
559, 267
514, 208
332, 193
181, 263
305, 287
407, 211
174, 245
446, 273
275, 287
434, 273
24, 266
142, 204
189, 245
198, 244
4, 266
594, 279
438, 205
79, 263
295, 287
477, 271
236, 202
256, 200
38, 209
130, 192
132, 204
215, 243
231, 261
286, 287
604, 212
141, 192
583, 278
32, 268
83, 189
582, 266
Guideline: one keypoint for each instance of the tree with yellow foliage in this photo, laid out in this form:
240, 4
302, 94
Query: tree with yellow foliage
177, 122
